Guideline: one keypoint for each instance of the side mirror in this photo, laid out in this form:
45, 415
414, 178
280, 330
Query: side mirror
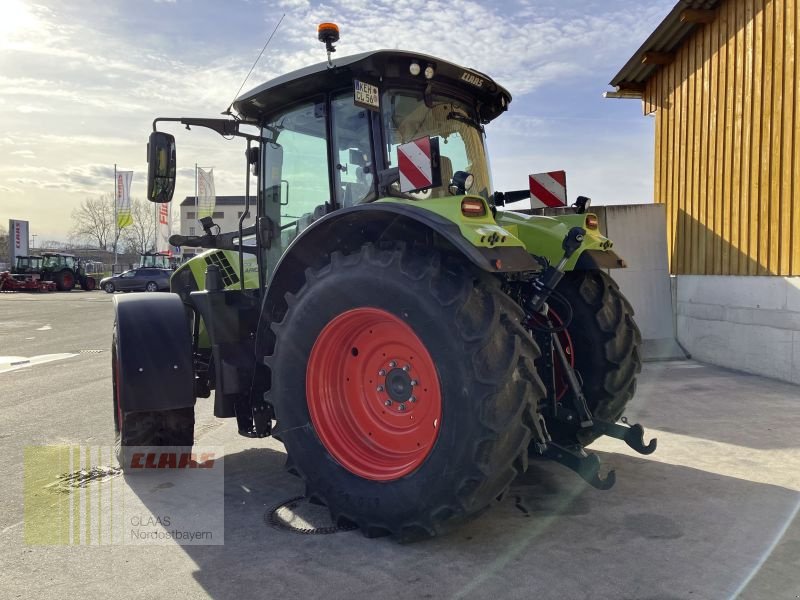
419, 165
160, 167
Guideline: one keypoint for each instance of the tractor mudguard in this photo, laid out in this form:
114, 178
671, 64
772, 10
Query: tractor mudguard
347, 229
154, 350
543, 237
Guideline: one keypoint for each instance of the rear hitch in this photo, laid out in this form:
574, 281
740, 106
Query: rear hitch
585, 465
633, 435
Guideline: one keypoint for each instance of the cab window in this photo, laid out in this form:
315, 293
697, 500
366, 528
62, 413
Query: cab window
352, 151
296, 182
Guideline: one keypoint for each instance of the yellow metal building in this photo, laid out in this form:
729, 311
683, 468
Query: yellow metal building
721, 79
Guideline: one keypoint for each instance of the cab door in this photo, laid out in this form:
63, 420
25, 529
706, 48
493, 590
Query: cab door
354, 167
296, 183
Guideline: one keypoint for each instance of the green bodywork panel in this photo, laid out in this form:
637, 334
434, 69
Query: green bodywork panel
198, 263
539, 235
223, 258
543, 236
483, 232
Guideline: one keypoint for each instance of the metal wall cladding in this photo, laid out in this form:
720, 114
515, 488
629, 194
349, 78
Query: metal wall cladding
727, 160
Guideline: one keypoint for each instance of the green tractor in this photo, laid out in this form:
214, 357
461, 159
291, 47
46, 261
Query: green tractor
410, 342
158, 260
66, 271
27, 265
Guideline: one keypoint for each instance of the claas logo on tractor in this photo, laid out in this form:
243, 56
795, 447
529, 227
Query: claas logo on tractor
408, 337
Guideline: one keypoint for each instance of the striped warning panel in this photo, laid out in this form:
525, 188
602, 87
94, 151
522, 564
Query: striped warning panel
548, 190
414, 162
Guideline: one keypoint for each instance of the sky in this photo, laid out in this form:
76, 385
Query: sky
82, 80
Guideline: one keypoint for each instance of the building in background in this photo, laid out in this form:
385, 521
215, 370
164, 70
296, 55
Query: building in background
227, 212
720, 78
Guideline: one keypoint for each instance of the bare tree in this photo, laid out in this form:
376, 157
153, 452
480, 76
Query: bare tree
139, 236
94, 220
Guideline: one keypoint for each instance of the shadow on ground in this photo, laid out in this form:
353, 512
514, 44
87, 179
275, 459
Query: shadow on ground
662, 532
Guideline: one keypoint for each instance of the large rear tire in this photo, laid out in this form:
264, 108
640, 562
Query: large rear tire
339, 381
605, 344
65, 280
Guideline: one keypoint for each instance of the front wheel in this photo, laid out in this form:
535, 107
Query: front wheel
404, 389
151, 286
109, 288
603, 341
137, 429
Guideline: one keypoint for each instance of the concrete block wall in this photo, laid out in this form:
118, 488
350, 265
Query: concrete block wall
639, 235
751, 324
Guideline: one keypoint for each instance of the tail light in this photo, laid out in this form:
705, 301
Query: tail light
473, 207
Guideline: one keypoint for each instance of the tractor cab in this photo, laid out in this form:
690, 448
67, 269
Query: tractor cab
158, 260
380, 126
375, 125
56, 261
27, 265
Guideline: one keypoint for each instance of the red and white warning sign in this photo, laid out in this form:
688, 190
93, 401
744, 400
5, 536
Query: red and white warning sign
416, 161
548, 190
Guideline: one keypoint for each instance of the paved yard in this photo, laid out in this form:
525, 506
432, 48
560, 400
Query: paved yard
712, 514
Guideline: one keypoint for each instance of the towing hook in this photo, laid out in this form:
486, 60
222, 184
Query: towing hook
587, 466
634, 437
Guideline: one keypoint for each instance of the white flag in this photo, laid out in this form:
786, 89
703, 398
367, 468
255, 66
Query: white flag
206, 196
164, 227
123, 198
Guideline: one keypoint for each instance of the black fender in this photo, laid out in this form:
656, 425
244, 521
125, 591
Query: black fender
154, 352
347, 229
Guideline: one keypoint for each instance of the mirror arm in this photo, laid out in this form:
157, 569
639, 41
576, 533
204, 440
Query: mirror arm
224, 127
502, 198
220, 241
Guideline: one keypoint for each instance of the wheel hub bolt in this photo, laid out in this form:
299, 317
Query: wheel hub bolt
414, 382
401, 407
387, 403
406, 368
382, 372
412, 399
379, 388
392, 364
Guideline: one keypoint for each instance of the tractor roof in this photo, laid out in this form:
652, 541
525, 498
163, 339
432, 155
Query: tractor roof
379, 68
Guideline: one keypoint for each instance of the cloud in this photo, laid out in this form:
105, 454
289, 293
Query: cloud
28, 108
81, 83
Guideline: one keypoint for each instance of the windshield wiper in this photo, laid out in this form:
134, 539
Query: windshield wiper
455, 116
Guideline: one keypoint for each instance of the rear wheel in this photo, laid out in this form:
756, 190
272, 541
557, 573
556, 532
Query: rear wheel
65, 281
404, 389
603, 340
151, 286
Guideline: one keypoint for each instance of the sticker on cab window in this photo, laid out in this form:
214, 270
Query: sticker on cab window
366, 95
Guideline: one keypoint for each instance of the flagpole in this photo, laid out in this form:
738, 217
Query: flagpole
114, 200
155, 227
